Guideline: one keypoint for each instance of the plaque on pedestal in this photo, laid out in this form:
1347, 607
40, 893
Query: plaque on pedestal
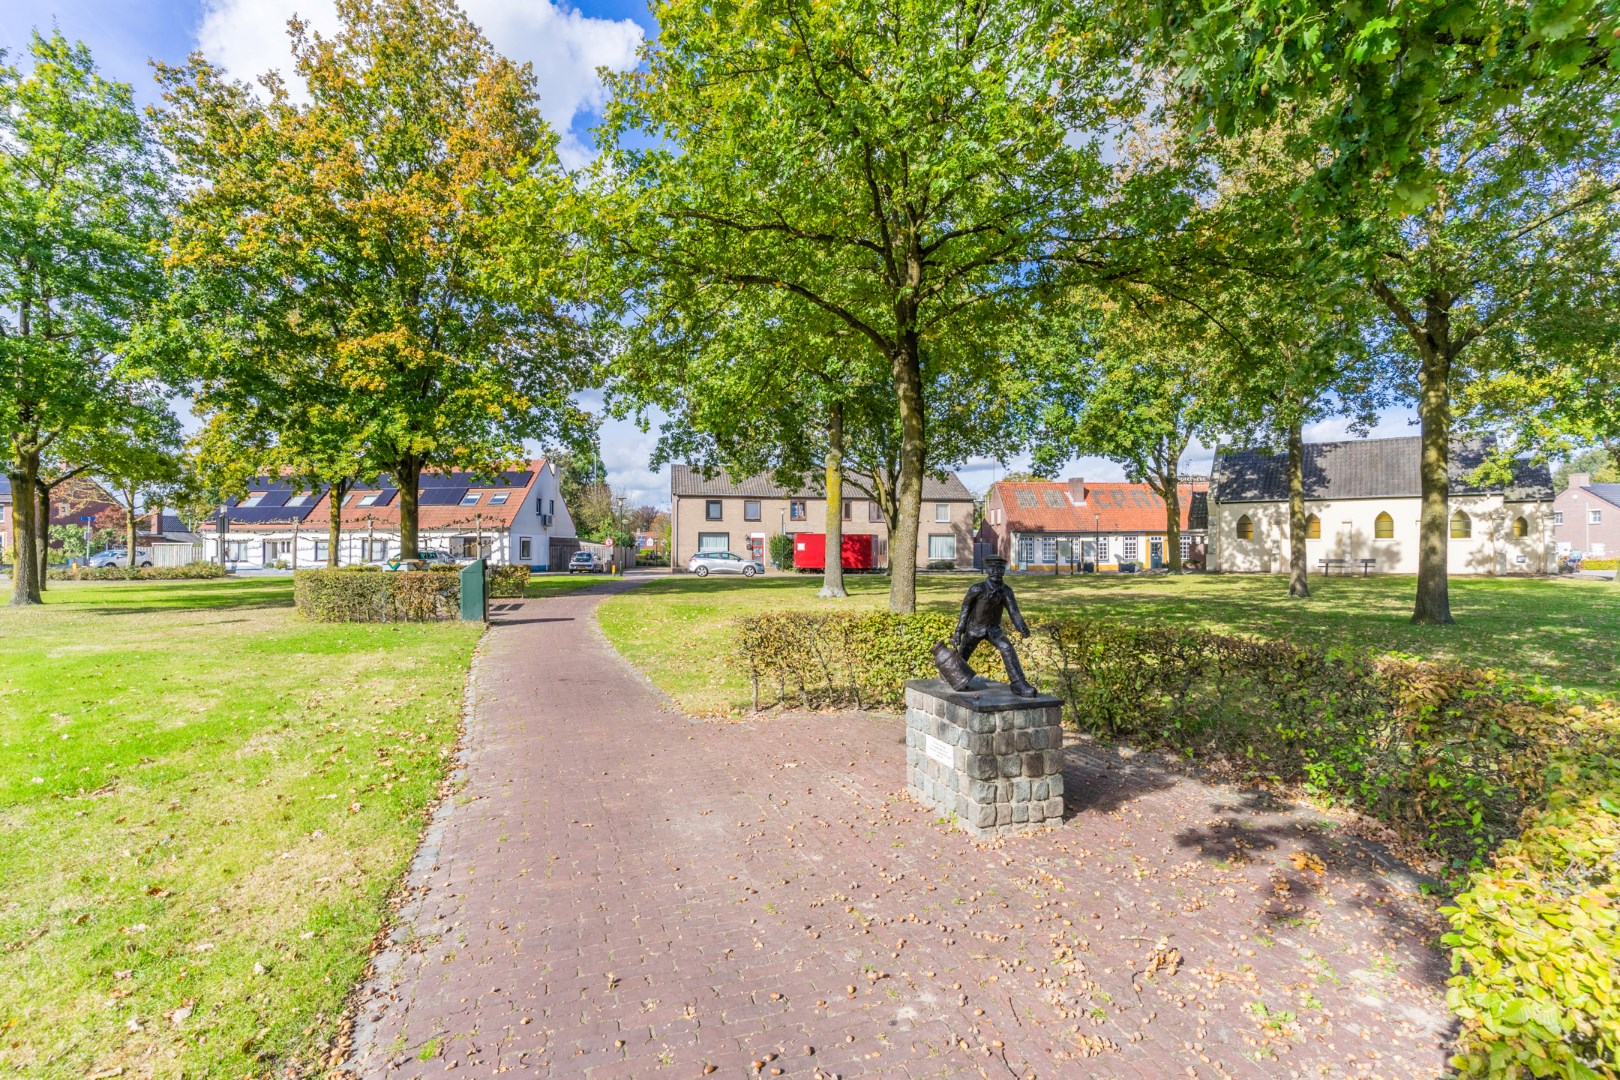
991, 757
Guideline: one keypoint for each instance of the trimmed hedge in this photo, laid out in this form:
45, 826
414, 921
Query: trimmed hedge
354, 595
1457, 759
505, 582
197, 571
1600, 564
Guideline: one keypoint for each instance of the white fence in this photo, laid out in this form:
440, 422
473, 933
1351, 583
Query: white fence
176, 554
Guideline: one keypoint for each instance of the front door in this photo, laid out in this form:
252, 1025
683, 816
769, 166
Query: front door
1156, 552
756, 549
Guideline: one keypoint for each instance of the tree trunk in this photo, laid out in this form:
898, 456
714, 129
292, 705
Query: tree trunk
1433, 606
408, 474
832, 574
1298, 582
334, 527
906, 368
1170, 492
130, 530
25, 507
42, 532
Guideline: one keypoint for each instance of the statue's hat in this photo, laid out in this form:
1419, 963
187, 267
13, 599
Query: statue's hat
994, 560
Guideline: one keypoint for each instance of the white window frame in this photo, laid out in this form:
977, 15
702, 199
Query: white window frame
1558, 517
942, 513
946, 546
472, 498
1186, 545
708, 538
525, 550
1127, 548
1026, 550
252, 498
299, 499
1048, 550
1594, 517
499, 498
1102, 549
369, 498
321, 548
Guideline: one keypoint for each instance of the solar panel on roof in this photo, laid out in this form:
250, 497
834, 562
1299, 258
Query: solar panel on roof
1025, 499
441, 496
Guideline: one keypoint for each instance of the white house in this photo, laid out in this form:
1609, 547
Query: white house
516, 517
1362, 501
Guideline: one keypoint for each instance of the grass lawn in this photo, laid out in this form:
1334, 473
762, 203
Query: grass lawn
551, 584
204, 802
1565, 632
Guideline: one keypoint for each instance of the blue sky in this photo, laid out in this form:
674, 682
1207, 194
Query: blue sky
566, 44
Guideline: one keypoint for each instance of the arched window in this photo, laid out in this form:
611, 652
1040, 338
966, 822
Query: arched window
1521, 527
1462, 526
1245, 528
1384, 527
1313, 527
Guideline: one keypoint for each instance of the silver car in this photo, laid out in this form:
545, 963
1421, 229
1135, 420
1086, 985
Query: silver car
705, 563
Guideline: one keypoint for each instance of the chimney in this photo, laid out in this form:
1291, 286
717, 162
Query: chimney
1580, 479
157, 522
1077, 491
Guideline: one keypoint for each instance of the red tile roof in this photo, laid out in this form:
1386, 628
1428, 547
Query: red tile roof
1108, 507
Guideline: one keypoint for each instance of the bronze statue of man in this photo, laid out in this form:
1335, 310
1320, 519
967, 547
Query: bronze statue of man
980, 620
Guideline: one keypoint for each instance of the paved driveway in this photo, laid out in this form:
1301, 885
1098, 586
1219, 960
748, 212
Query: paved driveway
620, 891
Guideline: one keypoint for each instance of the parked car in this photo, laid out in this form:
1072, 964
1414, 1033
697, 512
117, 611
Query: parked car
586, 562
426, 560
705, 563
120, 557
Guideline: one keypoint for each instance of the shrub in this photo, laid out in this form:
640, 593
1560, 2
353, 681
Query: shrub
506, 581
1600, 564
198, 571
942, 564
652, 558
781, 548
403, 596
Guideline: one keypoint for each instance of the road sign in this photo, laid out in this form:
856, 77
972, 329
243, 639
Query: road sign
608, 541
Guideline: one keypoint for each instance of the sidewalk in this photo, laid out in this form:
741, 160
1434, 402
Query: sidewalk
620, 891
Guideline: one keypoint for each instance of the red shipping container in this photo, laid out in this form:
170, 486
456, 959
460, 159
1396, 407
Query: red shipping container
810, 551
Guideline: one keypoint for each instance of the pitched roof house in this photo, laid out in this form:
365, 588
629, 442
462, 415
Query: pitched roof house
1586, 518
1362, 502
1047, 523
71, 502
721, 514
513, 517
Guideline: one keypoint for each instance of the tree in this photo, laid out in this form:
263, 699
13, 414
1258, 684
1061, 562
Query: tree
83, 194
897, 169
146, 469
405, 233
1597, 463
1475, 120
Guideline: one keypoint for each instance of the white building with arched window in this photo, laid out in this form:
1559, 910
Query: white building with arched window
1362, 503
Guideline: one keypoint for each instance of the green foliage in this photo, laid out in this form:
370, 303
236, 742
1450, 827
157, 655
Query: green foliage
197, 571
1535, 936
1600, 564
1595, 462
506, 581
781, 550
400, 596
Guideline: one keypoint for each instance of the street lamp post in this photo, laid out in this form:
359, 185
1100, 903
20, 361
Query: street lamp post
1096, 543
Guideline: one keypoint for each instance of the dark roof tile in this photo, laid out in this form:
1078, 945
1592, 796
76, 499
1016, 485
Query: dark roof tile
1367, 469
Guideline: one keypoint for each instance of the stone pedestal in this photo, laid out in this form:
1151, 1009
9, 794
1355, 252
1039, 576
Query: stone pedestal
993, 759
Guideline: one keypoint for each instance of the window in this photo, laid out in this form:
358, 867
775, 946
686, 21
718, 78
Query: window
1048, 549
1245, 528
1127, 546
370, 498
750, 509
374, 550
1186, 544
553, 510
1102, 549
254, 498
471, 498
849, 509
1462, 526
1313, 527
499, 498
941, 547
713, 510
874, 512
525, 549
714, 542
321, 550
298, 500
1521, 527
235, 550
942, 512
796, 510
1384, 527
1558, 517
1594, 517
277, 549
1026, 551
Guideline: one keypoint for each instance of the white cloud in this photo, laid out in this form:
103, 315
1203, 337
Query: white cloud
249, 37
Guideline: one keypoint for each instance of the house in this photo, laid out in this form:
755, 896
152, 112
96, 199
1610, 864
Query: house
721, 514
1362, 501
1050, 523
71, 502
1586, 518
515, 517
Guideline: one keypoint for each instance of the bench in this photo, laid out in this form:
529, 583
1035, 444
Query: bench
1327, 565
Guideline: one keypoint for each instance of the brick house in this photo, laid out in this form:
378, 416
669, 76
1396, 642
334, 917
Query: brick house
516, 517
71, 502
1586, 518
1050, 523
721, 514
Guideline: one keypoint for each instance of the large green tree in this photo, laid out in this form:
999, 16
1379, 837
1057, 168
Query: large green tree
895, 167
393, 257
81, 212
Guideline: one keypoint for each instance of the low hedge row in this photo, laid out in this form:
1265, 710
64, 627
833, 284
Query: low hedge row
198, 571
353, 595
505, 582
1600, 564
1457, 759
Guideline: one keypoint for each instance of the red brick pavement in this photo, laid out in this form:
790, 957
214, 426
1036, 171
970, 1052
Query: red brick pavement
621, 891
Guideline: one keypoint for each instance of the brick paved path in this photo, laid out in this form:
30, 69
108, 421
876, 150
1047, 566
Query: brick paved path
620, 891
